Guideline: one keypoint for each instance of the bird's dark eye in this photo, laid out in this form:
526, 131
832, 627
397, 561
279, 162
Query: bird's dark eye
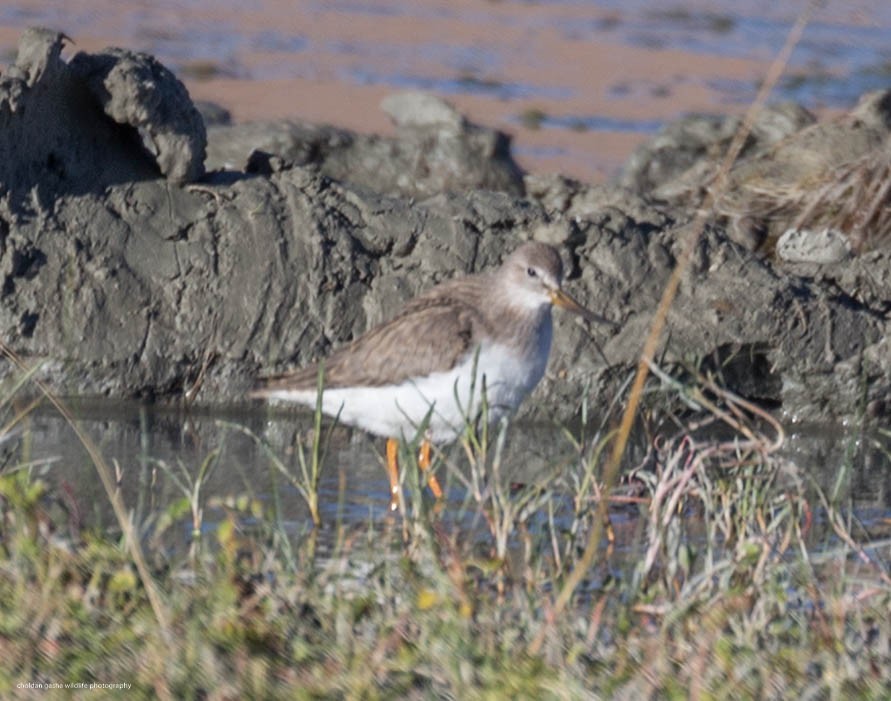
531, 272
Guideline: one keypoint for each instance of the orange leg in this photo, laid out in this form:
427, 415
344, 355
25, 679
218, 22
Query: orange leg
393, 472
424, 464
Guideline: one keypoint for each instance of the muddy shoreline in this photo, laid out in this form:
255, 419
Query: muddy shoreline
133, 265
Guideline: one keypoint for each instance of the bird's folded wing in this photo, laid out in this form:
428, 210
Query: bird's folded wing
430, 335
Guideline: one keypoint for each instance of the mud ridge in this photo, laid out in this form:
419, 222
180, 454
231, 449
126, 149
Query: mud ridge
142, 254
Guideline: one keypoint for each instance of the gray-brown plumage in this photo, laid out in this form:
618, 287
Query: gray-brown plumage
412, 344
497, 324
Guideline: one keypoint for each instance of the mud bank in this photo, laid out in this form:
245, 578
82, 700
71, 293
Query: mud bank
131, 266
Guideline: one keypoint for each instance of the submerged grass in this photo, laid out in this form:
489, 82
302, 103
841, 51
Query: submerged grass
744, 581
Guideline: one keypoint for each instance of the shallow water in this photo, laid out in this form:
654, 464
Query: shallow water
151, 444
578, 82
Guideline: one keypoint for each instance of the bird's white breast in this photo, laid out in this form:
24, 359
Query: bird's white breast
455, 396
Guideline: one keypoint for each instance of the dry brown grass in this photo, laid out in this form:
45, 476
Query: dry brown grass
853, 198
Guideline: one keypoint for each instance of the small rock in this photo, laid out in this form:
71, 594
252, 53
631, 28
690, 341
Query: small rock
421, 110
809, 246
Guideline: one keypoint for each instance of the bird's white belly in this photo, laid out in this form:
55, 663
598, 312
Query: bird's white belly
451, 398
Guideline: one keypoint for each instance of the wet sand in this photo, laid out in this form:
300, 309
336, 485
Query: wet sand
578, 84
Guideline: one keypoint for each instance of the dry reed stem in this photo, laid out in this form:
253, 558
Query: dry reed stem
611, 469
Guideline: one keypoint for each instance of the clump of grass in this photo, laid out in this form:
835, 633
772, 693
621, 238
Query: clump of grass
193, 499
853, 198
307, 482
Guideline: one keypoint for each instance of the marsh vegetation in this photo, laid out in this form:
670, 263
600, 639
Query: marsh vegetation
730, 564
